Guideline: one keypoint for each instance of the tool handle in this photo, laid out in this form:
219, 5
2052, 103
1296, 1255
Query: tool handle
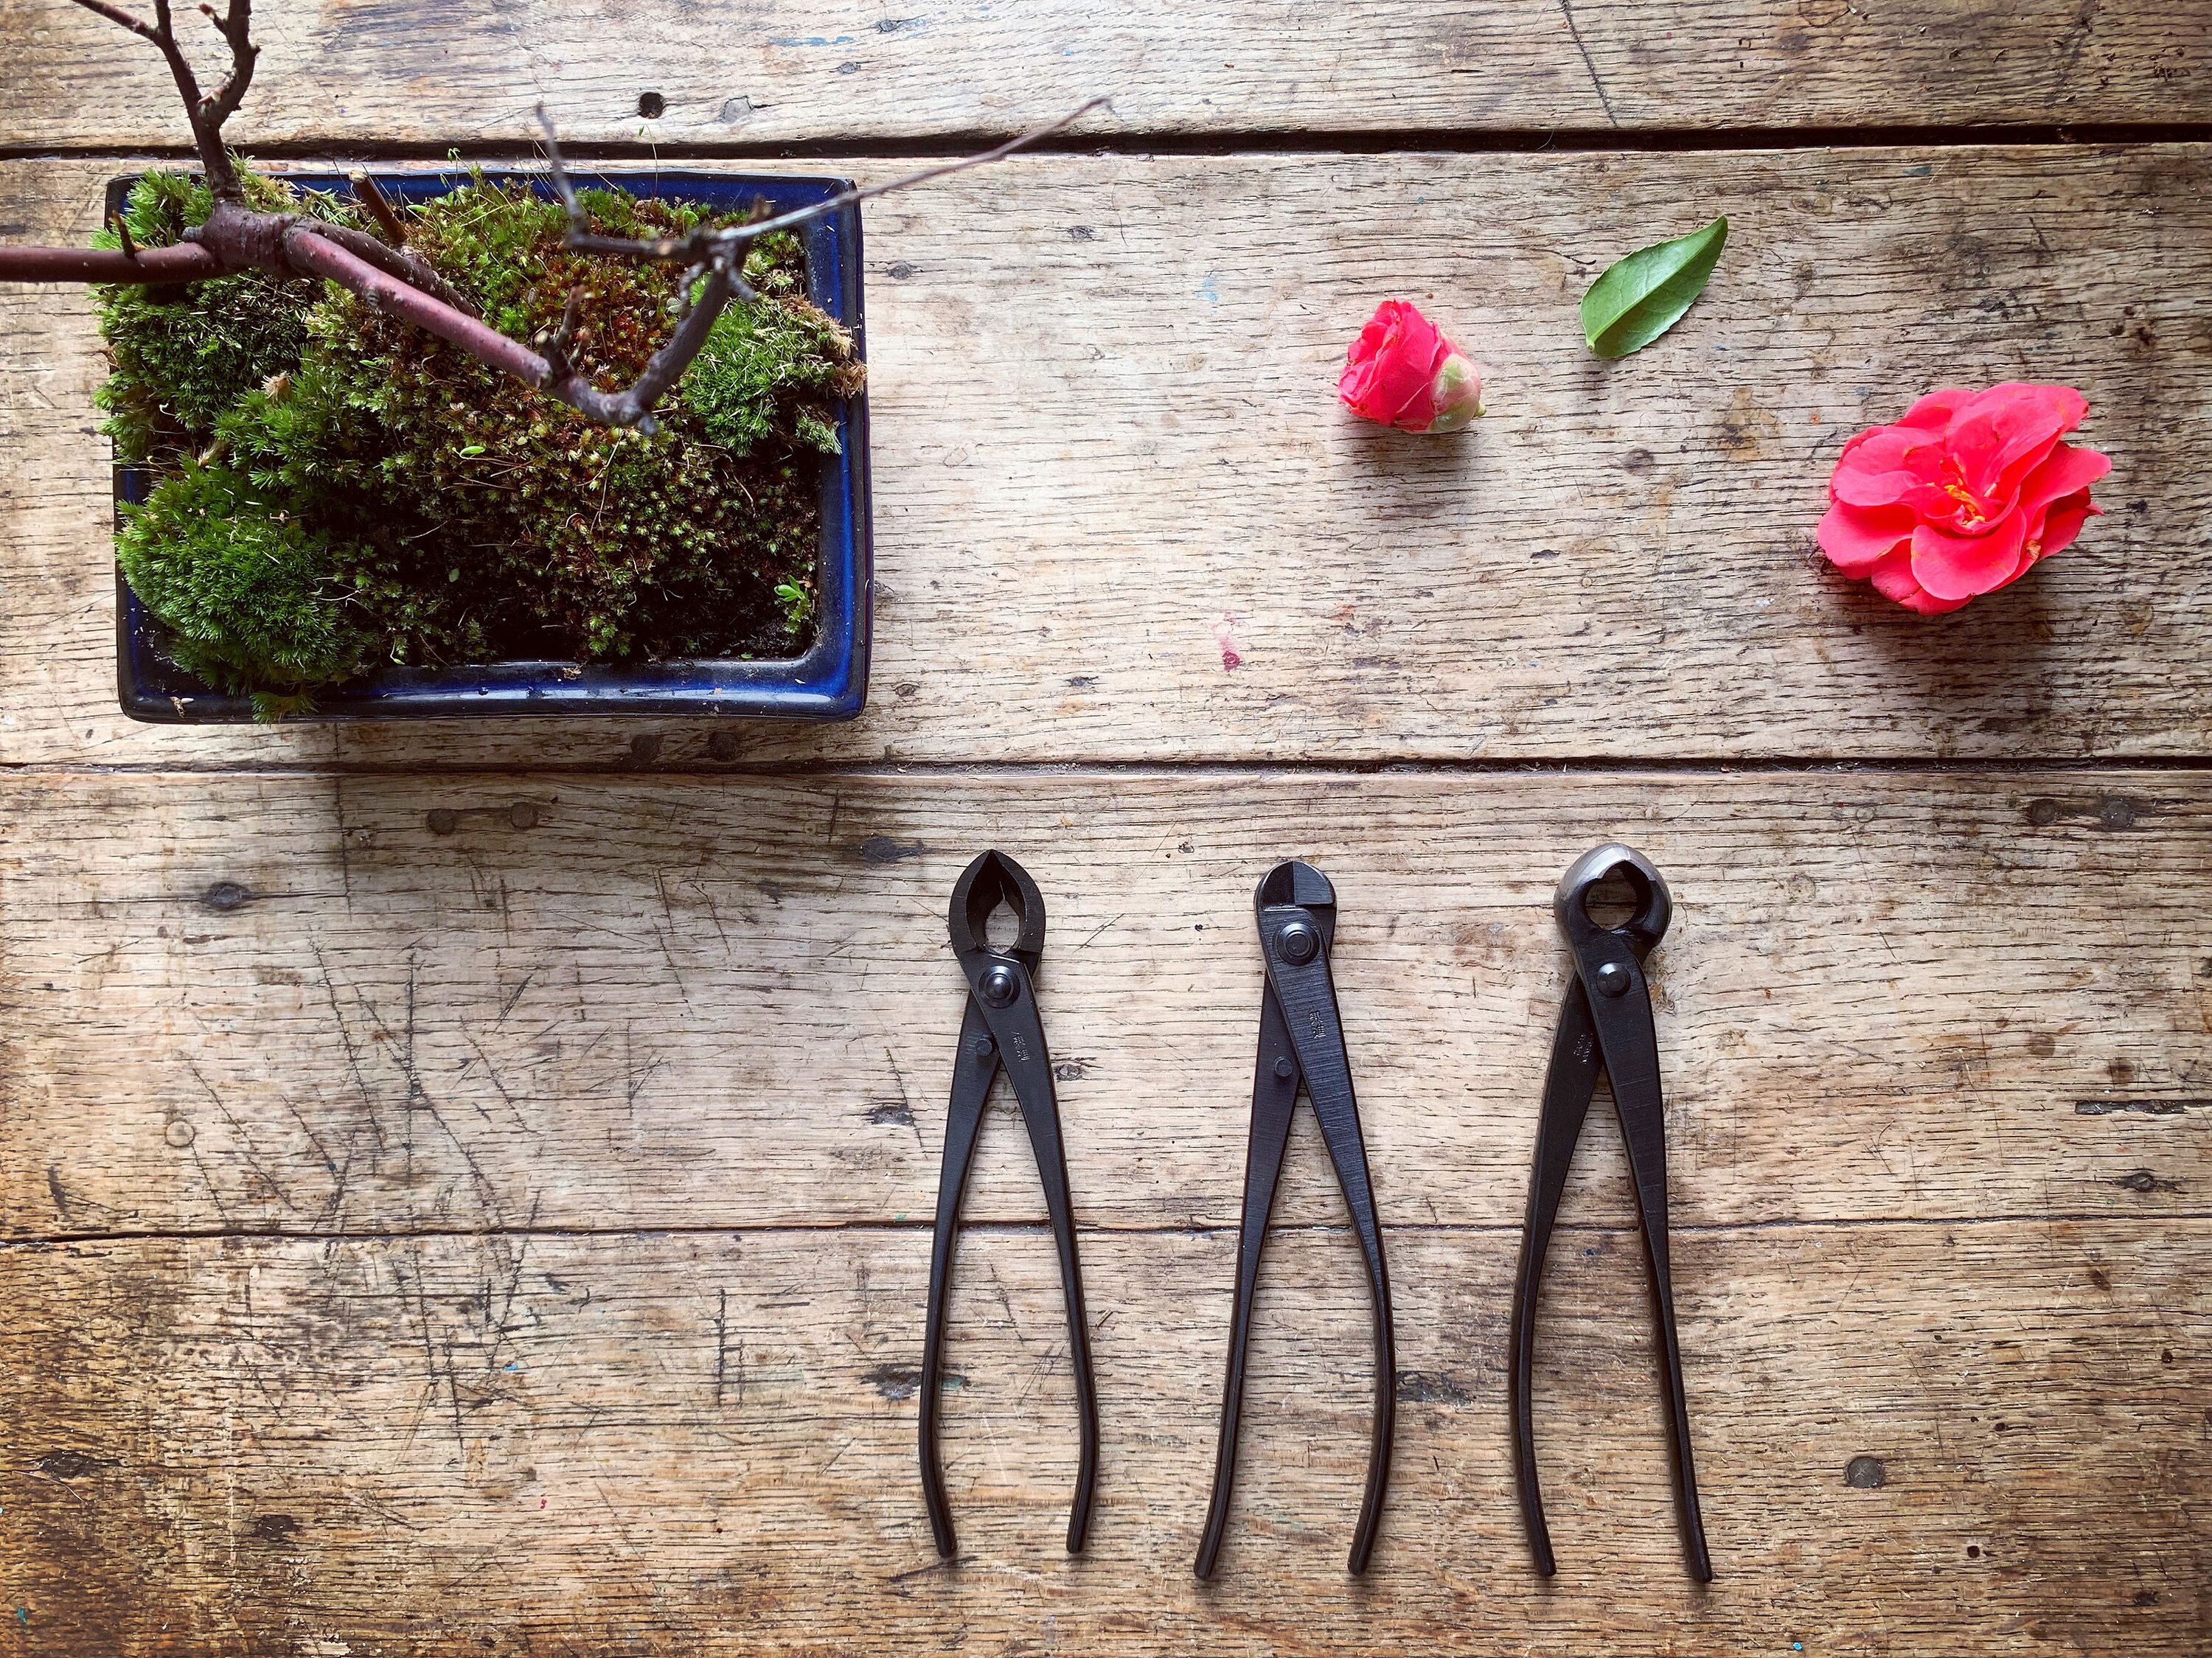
1629, 1044
1007, 997
1568, 1085
1274, 1097
1041, 1111
1309, 1003
974, 1070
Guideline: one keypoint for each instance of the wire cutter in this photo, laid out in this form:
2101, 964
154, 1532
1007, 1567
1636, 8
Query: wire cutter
1606, 1023
1002, 1028
1301, 1039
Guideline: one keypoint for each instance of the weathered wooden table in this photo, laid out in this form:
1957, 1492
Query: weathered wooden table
466, 1185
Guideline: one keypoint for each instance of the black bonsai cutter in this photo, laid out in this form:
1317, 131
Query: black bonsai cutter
1002, 1028
1606, 1023
1302, 1042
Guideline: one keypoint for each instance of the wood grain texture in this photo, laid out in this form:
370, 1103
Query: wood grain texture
704, 1444
1105, 445
769, 71
289, 1002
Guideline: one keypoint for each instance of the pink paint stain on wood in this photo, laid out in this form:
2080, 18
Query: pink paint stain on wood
1224, 635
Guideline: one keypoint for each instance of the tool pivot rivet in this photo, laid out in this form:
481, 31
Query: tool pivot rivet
1612, 978
1000, 987
1297, 944
1284, 1070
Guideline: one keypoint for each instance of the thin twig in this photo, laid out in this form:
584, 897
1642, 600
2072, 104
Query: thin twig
117, 15
379, 207
234, 25
928, 173
576, 219
705, 238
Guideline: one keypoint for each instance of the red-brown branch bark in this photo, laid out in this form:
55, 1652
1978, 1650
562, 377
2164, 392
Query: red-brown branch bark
184, 263
205, 114
314, 255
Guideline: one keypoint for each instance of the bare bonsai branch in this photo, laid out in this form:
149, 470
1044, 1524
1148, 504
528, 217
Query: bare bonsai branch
205, 115
151, 265
719, 251
405, 262
558, 342
634, 406
397, 280
232, 26
309, 253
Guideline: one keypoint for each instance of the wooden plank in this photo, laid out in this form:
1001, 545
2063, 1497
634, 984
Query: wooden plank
383, 71
704, 1443
1094, 456
290, 1002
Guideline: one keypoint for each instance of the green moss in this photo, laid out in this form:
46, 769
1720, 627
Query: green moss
463, 516
250, 591
183, 357
617, 543
765, 366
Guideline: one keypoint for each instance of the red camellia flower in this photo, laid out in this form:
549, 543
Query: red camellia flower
1962, 495
1402, 372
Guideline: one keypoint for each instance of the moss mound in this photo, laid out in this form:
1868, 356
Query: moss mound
254, 597
407, 505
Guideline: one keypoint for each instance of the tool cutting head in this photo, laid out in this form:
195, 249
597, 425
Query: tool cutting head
1293, 882
1655, 903
991, 880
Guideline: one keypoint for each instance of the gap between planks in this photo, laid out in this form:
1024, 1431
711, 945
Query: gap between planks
1017, 1229
892, 770
1257, 141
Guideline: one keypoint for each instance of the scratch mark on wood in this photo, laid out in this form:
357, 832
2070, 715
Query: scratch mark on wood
513, 996
241, 1140
1567, 11
905, 1104
353, 1054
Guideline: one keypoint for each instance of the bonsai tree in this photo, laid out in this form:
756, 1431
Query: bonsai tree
331, 490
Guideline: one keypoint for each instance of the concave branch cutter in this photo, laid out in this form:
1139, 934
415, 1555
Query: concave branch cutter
1606, 1023
1301, 1039
1002, 1028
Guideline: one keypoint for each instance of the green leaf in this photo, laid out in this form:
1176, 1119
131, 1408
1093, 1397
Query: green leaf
473, 449
1641, 297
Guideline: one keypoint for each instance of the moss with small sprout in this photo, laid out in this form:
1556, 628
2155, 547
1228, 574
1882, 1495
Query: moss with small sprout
427, 510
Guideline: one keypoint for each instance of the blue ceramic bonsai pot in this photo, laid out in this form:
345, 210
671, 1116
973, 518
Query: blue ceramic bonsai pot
828, 682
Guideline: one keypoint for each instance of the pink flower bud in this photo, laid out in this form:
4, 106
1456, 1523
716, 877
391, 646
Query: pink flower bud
1402, 372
